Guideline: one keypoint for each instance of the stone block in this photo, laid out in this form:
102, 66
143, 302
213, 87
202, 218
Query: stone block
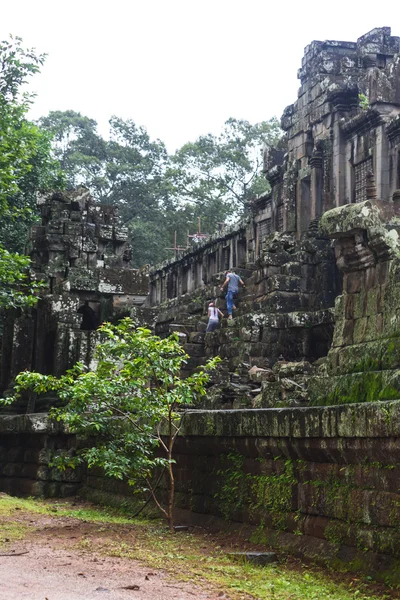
338, 332
372, 301
89, 245
196, 337
349, 305
358, 305
353, 282
105, 232
382, 272
370, 278
360, 330
255, 558
293, 269
194, 349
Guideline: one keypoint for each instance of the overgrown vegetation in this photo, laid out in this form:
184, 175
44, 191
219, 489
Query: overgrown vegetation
25, 165
127, 409
267, 496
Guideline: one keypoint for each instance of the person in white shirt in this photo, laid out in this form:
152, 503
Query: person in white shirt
213, 317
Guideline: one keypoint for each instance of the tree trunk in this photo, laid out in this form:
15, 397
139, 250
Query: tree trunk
171, 491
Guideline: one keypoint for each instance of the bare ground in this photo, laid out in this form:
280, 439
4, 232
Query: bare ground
65, 558
42, 567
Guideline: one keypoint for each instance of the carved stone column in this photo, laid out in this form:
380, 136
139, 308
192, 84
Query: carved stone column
316, 164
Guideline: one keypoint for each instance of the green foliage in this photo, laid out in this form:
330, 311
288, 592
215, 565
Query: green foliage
16, 291
363, 101
25, 165
267, 496
233, 490
127, 407
224, 170
272, 495
212, 178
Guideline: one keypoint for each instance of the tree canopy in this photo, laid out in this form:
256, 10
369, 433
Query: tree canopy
25, 165
157, 193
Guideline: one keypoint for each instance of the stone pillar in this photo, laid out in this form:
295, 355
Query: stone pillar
349, 173
382, 173
316, 164
339, 162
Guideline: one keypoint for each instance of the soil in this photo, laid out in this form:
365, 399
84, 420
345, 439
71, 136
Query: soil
42, 567
64, 558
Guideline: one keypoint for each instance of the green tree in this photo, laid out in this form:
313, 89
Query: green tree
222, 173
212, 178
126, 170
129, 410
78, 148
25, 165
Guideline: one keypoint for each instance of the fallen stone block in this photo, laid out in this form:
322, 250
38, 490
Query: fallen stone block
256, 558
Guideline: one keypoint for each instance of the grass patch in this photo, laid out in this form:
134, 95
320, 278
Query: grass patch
183, 557
9, 504
11, 532
199, 557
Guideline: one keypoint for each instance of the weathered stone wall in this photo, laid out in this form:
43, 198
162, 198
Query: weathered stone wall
319, 481
82, 255
332, 141
363, 362
27, 445
283, 314
336, 153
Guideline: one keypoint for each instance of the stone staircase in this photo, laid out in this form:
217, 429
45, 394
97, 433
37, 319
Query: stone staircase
282, 323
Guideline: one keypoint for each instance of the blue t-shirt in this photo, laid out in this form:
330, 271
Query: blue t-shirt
233, 285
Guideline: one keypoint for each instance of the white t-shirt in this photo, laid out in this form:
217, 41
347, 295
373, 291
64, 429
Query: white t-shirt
213, 312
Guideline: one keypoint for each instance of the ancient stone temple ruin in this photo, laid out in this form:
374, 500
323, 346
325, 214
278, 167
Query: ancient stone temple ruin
83, 256
299, 433
342, 149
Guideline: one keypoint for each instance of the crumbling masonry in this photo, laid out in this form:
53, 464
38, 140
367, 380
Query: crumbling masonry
83, 256
342, 139
318, 325
343, 150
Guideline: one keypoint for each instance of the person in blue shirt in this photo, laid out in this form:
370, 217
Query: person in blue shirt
232, 281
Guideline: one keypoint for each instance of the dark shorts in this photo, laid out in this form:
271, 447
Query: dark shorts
212, 326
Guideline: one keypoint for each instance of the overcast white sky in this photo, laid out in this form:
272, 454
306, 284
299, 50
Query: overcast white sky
179, 67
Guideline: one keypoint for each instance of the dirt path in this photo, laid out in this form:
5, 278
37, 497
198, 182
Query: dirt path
71, 550
48, 573
49, 564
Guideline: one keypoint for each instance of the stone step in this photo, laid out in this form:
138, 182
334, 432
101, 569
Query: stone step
196, 337
194, 350
180, 328
193, 362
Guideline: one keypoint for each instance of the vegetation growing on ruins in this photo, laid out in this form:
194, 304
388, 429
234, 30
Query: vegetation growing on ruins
267, 496
127, 408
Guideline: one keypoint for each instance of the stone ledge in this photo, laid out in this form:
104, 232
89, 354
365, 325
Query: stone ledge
366, 420
33, 423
